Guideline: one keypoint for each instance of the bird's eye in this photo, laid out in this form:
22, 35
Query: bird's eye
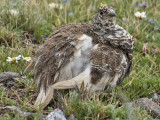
101, 13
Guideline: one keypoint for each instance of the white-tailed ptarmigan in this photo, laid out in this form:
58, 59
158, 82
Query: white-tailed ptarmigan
98, 54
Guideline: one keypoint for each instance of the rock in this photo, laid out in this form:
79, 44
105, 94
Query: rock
57, 114
16, 110
7, 78
151, 107
72, 117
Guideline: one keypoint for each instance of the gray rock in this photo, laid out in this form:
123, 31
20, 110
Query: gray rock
57, 114
16, 110
151, 107
5, 76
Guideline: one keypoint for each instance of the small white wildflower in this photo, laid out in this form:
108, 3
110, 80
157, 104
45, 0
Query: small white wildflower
140, 14
27, 58
18, 57
55, 6
60, 6
9, 59
14, 12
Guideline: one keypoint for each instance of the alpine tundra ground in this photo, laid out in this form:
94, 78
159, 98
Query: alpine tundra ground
25, 24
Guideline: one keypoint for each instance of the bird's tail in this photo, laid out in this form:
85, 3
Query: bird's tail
44, 97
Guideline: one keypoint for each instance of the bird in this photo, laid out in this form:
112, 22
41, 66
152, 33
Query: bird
98, 54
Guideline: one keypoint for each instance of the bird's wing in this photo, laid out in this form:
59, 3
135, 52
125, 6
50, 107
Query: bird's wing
55, 54
53, 58
108, 61
50, 58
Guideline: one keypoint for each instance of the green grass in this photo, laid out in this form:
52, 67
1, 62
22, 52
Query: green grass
35, 21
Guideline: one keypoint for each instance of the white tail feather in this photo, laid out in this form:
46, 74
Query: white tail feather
44, 97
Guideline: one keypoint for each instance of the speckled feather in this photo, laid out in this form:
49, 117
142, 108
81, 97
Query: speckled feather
105, 59
117, 37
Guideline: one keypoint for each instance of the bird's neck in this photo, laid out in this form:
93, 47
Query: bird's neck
99, 27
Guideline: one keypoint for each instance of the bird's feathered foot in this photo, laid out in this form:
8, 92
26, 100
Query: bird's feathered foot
74, 82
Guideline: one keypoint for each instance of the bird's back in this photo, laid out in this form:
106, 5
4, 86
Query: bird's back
65, 54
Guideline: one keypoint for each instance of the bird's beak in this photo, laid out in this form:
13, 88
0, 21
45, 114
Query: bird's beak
112, 15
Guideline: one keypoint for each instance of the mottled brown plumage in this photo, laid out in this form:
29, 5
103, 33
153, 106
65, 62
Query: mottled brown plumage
105, 60
47, 62
100, 54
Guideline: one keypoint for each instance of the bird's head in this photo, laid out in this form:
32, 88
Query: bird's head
105, 16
